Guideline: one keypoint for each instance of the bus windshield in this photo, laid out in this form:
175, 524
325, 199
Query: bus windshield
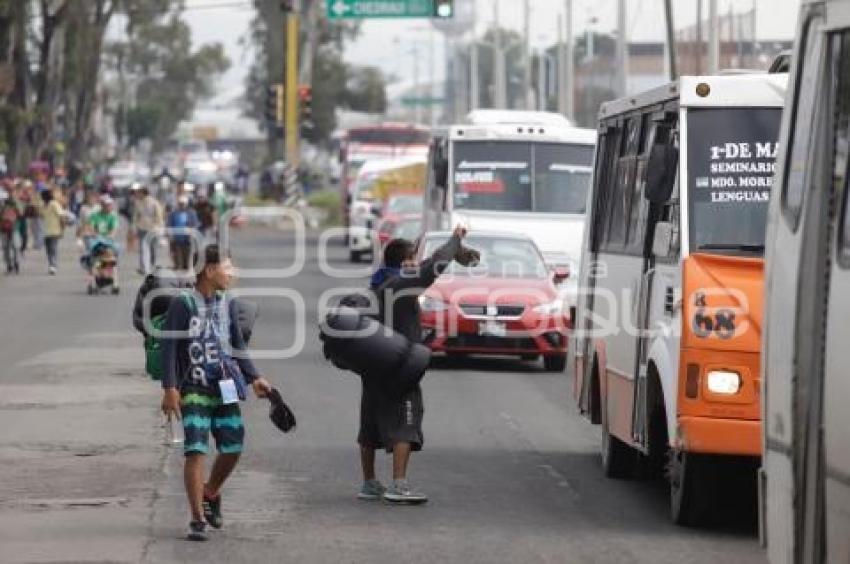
521, 176
731, 160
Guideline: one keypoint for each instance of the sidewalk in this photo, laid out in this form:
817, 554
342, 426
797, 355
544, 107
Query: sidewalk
81, 448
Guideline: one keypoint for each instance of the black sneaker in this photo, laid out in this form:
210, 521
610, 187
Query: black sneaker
197, 531
212, 511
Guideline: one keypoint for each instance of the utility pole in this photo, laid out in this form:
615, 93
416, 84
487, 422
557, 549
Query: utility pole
499, 79
569, 63
310, 9
622, 49
432, 73
671, 40
698, 42
713, 38
541, 81
562, 69
417, 87
474, 96
528, 97
291, 89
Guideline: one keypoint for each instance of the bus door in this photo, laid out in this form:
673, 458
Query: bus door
835, 460
621, 269
652, 207
606, 153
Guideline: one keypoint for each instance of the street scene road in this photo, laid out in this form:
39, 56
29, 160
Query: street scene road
511, 469
424, 281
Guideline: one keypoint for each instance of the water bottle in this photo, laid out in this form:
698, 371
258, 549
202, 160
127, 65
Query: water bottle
173, 432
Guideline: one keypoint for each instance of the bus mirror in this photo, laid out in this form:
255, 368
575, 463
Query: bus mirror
661, 173
441, 171
662, 241
440, 163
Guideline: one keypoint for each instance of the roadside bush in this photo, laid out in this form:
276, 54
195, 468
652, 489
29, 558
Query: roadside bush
329, 201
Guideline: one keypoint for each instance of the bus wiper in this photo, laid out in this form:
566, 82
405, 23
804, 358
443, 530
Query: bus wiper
749, 247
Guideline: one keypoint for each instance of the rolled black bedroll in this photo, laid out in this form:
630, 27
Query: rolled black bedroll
359, 343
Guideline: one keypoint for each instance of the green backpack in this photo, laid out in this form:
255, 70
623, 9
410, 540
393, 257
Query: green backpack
153, 345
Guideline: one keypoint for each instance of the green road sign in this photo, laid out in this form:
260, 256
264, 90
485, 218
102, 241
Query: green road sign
339, 9
422, 101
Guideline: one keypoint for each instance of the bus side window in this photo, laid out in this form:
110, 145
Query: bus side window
606, 163
807, 71
841, 156
622, 187
639, 206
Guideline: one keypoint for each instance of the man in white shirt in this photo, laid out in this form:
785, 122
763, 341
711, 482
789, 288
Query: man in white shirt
147, 217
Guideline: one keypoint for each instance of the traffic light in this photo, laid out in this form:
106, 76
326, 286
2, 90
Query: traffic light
275, 104
444, 9
287, 5
305, 103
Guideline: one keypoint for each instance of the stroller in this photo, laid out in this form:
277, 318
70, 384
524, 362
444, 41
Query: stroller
101, 262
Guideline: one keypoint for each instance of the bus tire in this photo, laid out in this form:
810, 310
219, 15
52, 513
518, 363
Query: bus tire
618, 459
688, 475
555, 363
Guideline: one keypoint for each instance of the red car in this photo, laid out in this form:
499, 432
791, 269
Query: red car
407, 227
399, 207
508, 304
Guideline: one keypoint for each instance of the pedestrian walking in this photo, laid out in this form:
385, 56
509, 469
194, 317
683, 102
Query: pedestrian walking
53, 218
182, 223
34, 218
104, 220
206, 213
85, 232
389, 420
200, 386
10, 214
148, 218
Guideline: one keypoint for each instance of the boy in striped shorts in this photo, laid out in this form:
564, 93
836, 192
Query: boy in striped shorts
198, 388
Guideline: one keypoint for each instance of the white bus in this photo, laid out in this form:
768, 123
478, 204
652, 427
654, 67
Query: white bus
805, 479
667, 332
513, 171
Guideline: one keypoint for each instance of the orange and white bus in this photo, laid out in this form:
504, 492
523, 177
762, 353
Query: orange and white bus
667, 331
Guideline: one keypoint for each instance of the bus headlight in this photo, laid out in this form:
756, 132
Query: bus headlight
724, 382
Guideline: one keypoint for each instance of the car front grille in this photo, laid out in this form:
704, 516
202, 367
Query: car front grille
503, 310
482, 341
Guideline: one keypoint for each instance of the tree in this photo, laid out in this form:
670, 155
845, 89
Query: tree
168, 77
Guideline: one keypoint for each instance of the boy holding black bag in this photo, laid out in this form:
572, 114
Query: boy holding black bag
203, 369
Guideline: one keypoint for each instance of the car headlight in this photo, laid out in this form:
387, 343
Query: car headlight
430, 304
724, 382
550, 308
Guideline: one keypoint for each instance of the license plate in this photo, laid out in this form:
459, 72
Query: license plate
491, 329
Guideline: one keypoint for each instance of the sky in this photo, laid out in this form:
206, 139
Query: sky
228, 21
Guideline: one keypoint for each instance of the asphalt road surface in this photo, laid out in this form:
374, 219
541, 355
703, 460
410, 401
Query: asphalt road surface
510, 467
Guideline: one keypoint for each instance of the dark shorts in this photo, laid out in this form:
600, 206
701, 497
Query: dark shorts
387, 419
202, 413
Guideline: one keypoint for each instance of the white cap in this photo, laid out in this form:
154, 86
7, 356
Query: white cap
183, 199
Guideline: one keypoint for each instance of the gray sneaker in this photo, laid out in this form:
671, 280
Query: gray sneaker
401, 492
371, 490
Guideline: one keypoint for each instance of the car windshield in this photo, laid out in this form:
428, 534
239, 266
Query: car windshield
731, 161
521, 176
408, 230
405, 204
501, 257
